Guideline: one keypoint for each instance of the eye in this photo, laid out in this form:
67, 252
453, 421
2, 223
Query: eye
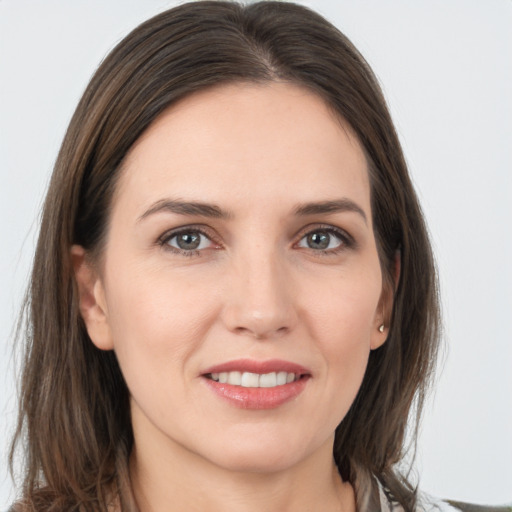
325, 240
187, 241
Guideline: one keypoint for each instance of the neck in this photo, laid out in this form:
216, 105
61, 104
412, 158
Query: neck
181, 480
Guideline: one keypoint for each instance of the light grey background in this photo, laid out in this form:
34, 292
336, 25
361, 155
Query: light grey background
446, 69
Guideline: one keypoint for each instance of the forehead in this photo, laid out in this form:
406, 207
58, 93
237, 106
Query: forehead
247, 142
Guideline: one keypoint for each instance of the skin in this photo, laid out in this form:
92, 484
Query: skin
257, 288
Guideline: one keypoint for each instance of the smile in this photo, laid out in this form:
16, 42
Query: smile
254, 380
249, 384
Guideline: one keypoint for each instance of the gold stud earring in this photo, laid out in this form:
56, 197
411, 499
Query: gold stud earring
381, 328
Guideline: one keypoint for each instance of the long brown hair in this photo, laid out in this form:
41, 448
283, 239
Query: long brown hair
74, 420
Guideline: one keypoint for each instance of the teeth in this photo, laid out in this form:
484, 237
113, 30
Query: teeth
254, 380
250, 380
268, 380
281, 378
235, 378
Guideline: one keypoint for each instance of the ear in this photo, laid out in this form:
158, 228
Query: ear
384, 310
93, 308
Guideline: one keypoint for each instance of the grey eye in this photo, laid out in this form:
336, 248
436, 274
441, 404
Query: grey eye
321, 240
189, 241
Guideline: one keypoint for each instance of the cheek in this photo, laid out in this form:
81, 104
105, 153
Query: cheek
157, 320
342, 310
341, 317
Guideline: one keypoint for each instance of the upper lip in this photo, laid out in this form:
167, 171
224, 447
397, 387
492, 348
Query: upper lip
261, 367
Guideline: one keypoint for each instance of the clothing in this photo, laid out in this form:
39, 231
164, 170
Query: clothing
375, 498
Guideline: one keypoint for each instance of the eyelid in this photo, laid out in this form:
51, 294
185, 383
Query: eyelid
163, 240
348, 240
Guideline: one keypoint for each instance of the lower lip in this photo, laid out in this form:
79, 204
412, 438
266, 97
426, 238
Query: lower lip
258, 398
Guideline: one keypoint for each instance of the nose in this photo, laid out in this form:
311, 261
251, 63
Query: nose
260, 299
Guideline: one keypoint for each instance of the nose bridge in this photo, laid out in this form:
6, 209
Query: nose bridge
260, 299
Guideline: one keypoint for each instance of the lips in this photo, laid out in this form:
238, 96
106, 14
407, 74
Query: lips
252, 384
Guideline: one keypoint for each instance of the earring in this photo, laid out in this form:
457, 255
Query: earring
381, 328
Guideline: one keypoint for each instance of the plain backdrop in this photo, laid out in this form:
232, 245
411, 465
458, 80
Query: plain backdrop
446, 70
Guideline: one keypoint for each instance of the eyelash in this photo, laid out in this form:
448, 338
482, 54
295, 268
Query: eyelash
164, 240
346, 241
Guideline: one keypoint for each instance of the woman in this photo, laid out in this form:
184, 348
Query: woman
233, 281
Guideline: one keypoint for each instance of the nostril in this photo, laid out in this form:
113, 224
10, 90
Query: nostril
263, 333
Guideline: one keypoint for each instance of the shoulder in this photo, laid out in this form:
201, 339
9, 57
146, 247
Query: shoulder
470, 507
427, 503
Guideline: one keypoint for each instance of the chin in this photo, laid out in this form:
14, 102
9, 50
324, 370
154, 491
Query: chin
263, 463
263, 454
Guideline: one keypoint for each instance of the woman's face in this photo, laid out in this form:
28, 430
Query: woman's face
240, 286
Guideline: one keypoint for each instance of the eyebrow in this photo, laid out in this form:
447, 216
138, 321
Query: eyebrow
186, 208
326, 207
213, 211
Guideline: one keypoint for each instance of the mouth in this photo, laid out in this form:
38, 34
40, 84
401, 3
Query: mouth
255, 380
250, 384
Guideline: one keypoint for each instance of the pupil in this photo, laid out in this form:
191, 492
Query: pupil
318, 240
189, 241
